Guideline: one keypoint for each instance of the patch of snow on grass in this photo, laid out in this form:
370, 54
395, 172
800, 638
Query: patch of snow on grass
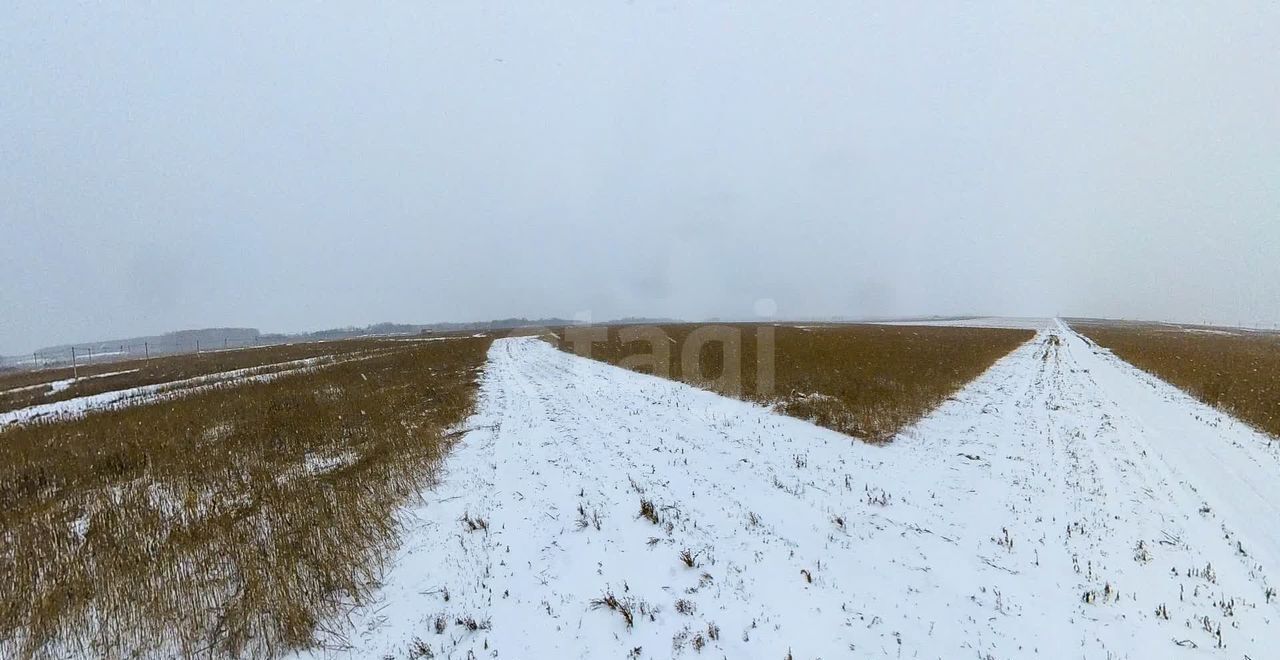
149, 393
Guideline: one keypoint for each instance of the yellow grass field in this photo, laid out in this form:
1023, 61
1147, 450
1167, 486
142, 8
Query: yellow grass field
868, 381
229, 522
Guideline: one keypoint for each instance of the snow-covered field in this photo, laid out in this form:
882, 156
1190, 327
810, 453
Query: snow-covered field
1064, 505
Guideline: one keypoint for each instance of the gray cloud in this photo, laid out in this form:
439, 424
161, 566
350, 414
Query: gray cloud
294, 166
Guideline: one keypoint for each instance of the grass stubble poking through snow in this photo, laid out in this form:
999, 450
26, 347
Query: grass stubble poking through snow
1059, 505
1237, 372
21, 389
867, 381
230, 522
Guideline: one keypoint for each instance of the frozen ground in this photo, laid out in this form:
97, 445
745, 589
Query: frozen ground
1063, 505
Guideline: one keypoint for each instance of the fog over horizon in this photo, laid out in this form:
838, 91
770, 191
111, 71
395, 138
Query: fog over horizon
294, 167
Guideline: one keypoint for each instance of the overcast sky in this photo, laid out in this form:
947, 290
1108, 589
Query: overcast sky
298, 167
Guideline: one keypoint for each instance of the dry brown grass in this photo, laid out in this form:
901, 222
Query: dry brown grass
1237, 371
868, 381
27, 388
231, 522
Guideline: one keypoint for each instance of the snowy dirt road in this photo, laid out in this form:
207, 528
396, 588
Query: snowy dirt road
1063, 505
